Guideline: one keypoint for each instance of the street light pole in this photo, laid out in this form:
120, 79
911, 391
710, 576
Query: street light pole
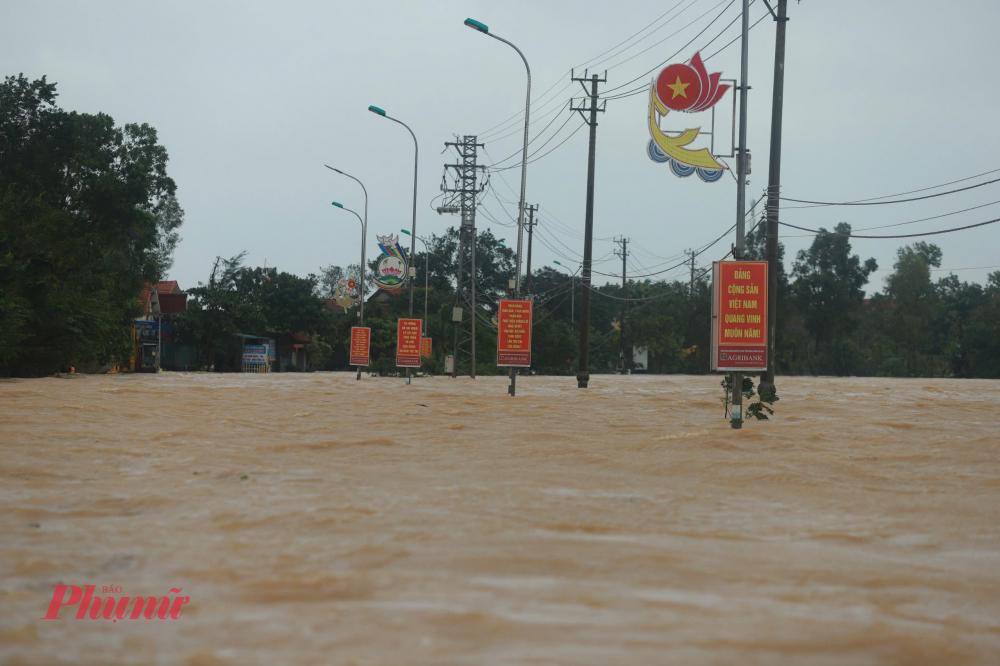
364, 229
483, 28
426, 274
413, 234
572, 296
364, 238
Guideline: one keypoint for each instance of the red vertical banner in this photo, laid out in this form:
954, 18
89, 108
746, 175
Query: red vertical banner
408, 342
361, 338
425, 347
514, 334
739, 315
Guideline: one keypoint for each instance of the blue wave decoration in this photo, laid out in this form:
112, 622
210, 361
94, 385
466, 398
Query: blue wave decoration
656, 154
710, 175
681, 170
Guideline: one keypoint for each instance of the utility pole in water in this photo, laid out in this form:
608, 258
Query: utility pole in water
531, 226
623, 253
583, 374
773, 192
461, 198
741, 204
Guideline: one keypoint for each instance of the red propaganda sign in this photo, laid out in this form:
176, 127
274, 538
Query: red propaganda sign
360, 345
514, 334
425, 347
408, 342
739, 315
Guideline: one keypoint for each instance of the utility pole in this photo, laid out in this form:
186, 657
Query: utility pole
531, 226
693, 255
583, 375
623, 253
462, 199
741, 204
773, 192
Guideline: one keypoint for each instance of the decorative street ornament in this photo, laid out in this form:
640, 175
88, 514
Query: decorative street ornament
345, 293
390, 273
690, 89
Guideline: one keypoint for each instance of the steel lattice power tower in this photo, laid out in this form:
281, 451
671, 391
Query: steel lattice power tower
461, 198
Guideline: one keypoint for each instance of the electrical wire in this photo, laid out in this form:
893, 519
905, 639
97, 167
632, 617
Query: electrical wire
926, 233
531, 161
590, 63
754, 25
674, 55
873, 202
521, 151
675, 33
925, 219
967, 268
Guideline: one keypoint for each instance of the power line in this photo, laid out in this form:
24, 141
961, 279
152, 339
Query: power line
873, 202
590, 62
673, 34
644, 75
643, 88
967, 268
519, 114
735, 39
520, 130
926, 233
530, 160
554, 134
925, 219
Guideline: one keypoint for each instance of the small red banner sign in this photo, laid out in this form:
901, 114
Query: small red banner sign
425, 347
360, 345
514, 334
739, 315
408, 333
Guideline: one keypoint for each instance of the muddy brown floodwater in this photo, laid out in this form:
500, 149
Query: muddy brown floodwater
447, 523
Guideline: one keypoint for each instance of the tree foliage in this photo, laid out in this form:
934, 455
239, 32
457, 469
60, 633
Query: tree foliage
87, 216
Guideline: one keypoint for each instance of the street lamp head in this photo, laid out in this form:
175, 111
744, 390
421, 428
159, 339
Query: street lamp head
405, 232
502, 245
332, 169
375, 109
648, 281
556, 262
338, 205
476, 25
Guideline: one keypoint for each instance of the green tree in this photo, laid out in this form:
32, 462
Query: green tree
829, 288
86, 217
915, 301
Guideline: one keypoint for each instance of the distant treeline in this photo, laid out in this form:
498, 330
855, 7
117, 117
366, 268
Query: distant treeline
826, 325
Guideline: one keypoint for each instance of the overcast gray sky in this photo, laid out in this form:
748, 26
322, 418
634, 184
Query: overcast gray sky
252, 98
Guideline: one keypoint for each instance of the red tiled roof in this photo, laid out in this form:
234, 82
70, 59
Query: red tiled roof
168, 287
300, 338
331, 305
147, 289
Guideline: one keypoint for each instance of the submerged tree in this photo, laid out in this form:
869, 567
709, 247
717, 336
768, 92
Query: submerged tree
87, 216
829, 288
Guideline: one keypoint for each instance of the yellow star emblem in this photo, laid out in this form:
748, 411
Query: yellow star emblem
678, 88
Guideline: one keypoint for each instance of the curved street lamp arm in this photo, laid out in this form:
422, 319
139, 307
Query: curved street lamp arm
524, 161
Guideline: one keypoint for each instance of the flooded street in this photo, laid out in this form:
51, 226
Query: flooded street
447, 523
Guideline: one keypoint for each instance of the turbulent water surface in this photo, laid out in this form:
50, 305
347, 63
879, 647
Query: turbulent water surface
447, 523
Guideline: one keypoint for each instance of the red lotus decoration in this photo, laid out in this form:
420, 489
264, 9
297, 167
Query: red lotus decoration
689, 88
